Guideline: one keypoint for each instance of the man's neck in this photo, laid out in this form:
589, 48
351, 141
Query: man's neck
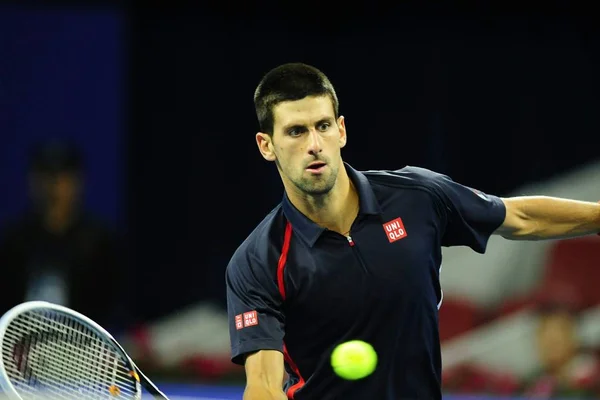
58, 219
335, 211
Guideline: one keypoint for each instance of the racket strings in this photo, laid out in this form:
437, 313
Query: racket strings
42, 370
50, 353
65, 357
73, 351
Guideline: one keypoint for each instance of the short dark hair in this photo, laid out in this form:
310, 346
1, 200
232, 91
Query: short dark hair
290, 82
53, 156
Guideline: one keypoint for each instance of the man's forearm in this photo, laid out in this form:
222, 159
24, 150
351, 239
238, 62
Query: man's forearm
539, 217
256, 392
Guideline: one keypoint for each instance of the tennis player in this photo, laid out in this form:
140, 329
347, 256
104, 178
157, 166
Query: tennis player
356, 254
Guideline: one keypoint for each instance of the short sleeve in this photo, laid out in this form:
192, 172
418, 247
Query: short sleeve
256, 321
471, 216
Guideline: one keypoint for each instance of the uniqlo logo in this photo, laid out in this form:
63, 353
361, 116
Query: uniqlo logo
239, 324
250, 319
394, 230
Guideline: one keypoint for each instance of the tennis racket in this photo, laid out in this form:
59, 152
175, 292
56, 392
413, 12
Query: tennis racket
52, 352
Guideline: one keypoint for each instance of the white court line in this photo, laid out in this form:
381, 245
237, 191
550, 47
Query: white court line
146, 396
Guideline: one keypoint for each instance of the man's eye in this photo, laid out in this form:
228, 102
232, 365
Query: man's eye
297, 131
324, 126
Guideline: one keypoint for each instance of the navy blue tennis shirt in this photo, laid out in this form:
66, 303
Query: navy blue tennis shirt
296, 287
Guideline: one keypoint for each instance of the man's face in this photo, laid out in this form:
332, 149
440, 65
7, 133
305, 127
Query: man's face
306, 144
55, 189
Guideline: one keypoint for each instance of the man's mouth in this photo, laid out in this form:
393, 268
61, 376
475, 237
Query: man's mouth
316, 167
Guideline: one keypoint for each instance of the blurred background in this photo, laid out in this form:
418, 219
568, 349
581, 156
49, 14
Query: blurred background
129, 172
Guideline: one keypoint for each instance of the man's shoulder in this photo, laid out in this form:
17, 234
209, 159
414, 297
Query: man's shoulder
408, 177
254, 251
19, 226
95, 223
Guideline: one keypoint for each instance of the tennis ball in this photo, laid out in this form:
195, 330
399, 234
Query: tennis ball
354, 360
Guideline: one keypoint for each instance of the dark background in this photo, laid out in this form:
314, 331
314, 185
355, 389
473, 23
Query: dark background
495, 98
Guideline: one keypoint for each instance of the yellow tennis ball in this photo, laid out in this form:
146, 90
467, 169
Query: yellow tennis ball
354, 360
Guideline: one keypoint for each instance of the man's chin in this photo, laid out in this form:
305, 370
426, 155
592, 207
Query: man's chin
317, 190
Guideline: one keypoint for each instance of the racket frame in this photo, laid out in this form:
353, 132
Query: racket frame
7, 386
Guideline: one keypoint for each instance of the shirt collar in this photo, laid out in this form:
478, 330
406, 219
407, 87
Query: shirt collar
311, 231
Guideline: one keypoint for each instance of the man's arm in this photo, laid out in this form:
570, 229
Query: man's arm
540, 217
256, 325
264, 376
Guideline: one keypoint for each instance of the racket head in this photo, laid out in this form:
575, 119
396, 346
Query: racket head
51, 351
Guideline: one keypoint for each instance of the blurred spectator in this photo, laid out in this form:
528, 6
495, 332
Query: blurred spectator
57, 251
567, 369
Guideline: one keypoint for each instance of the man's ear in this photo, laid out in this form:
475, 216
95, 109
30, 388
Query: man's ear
264, 141
341, 123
